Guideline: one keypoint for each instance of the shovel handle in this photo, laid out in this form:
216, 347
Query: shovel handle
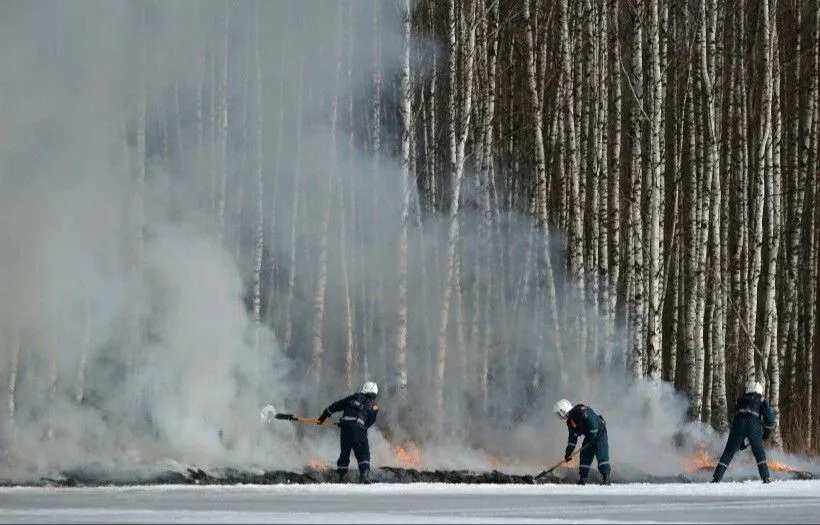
574, 453
306, 420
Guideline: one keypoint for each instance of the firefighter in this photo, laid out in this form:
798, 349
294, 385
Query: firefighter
359, 412
582, 420
753, 420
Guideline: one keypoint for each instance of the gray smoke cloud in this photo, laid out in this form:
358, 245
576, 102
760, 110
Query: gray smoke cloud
73, 77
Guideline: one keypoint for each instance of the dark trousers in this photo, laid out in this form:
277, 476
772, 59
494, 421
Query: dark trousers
599, 449
743, 427
353, 438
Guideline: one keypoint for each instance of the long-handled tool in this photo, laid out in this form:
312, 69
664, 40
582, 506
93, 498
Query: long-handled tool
307, 420
549, 470
269, 413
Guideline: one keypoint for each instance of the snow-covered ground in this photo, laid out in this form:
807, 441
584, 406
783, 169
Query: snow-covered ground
746, 502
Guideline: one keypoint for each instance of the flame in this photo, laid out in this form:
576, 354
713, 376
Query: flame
316, 464
494, 462
781, 467
407, 453
702, 459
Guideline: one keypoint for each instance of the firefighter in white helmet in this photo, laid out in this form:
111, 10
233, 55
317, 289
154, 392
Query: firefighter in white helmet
753, 420
583, 421
359, 412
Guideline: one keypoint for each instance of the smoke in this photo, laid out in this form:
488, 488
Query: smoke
84, 384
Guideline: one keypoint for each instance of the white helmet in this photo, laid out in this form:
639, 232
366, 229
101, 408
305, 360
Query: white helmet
369, 388
562, 407
754, 387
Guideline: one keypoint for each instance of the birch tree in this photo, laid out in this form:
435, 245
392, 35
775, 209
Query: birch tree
294, 215
259, 243
458, 126
405, 109
546, 277
222, 154
758, 183
772, 352
635, 254
613, 218
655, 336
320, 286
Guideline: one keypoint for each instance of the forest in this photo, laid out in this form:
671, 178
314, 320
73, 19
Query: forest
483, 205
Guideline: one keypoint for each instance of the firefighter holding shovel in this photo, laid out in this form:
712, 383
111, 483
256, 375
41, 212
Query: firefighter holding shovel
583, 421
359, 412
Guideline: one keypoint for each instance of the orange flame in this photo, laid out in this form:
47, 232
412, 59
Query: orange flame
702, 459
407, 453
316, 464
494, 462
781, 467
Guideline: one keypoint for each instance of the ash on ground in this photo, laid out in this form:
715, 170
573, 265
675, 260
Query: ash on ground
95, 475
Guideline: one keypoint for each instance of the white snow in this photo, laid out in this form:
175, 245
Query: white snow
745, 502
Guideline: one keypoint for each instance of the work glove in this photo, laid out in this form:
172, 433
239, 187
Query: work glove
567, 458
744, 445
766, 433
321, 418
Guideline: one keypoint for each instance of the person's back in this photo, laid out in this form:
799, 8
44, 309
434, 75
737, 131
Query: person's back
358, 409
584, 421
359, 412
753, 419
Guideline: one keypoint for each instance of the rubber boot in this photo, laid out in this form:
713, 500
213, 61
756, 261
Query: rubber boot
605, 480
340, 476
582, 481
364, 477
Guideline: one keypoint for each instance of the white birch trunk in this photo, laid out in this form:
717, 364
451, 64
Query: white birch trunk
320, 286
259, 243
655, 277
223, 131
79, 393
814, 245
541, 194
772, 351
758, 183
575, 255
11, 404
294, 216
614, 216
458, 127
635, 258
405, 109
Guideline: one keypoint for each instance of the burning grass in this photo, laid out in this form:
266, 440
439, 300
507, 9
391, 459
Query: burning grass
703, 460
405, 467
383, 474
407, 454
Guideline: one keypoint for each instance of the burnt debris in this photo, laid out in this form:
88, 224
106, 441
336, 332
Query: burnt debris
94, 477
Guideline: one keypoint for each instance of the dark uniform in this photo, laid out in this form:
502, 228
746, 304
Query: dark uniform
754, 420
582, 420
359, 412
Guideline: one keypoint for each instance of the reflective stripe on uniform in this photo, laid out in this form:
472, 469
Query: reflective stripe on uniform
723, 464
351, 418
604, 463
341, 468
747, 411
593, 431
761, 462
768, 427
584, 466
